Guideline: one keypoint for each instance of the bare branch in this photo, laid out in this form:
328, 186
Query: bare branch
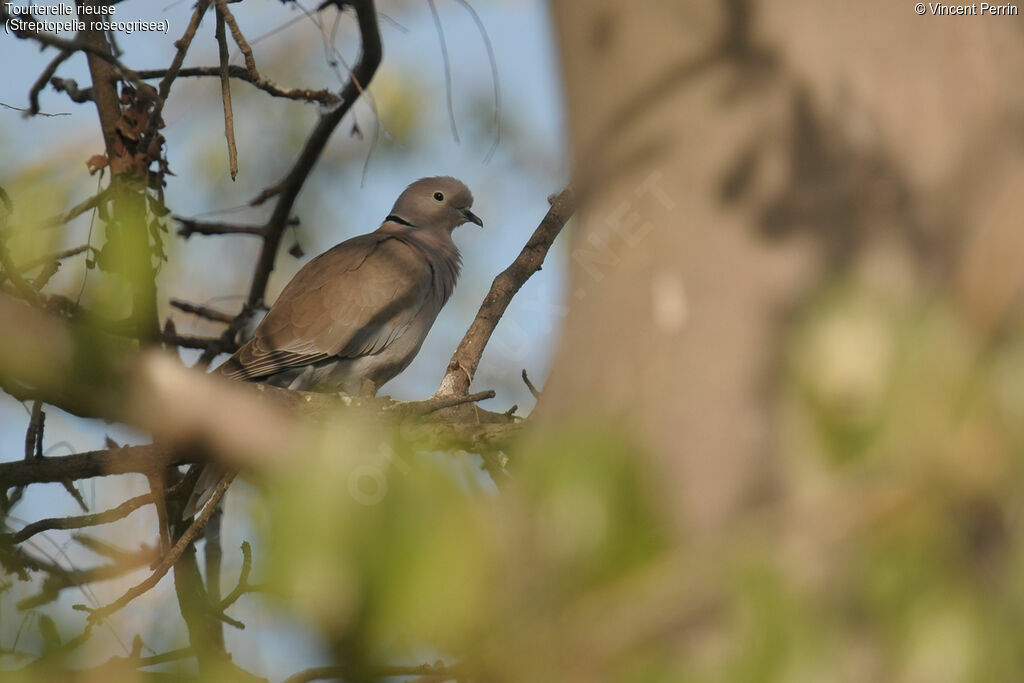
136, 661
138, 459
77, 210
529, 385
50, 40
98, 614
420, 408
38, 113
81, 521
50, 258
494, 77
466, 358
201, 311
243, 586
191, 227
241, 73
488, 432
447, 68
288, 189
182, 45
59, 579
74, 493
225, 89
44, 78
239, 38
127, 156
70, 87
322, 96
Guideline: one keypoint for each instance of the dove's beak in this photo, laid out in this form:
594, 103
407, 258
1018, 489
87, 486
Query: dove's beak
472, 217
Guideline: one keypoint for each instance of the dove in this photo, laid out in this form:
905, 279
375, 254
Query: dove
356, 316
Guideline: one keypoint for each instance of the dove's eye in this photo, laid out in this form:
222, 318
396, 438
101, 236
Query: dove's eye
438, 196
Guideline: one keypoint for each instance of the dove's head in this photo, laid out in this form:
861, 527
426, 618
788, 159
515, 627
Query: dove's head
440, 203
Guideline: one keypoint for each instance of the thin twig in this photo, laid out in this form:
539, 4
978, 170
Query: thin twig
158, 491
103, 548
494, 78
52, 258
182, 45
164, 657
38, 113
228, 339
201, 311
59, 578
100, 613
118, 664
466, 358
239, 38
243, 586
287, 191
50, 40
447, 68
330, 47
69, 486
44, 78
420, 408
529, 385
322, 96
69, 86
225, 90
77, 210
81, 521
191, 227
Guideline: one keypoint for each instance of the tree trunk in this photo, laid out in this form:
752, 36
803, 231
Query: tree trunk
730, 158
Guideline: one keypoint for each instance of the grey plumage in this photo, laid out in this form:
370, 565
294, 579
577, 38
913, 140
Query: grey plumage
356, 316
361, 310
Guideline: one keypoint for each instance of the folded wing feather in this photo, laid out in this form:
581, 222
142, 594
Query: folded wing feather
353, 300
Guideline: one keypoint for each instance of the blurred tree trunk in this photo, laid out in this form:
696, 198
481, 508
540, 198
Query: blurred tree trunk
731, 157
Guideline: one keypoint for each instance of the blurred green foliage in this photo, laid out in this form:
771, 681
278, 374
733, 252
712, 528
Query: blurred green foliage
891, 550
415, 559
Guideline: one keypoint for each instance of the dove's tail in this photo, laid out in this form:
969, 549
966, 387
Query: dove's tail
209, 476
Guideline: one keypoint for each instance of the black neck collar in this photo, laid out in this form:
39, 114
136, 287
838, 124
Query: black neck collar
396, 219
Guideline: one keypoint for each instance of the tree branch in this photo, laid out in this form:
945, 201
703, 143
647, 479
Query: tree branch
287, 191
130, 459
323, 96
81, 521
44, 78
182, 45
225, 89
201, 311
466, 358
50, 40
98, 614
59, 578
191, 227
